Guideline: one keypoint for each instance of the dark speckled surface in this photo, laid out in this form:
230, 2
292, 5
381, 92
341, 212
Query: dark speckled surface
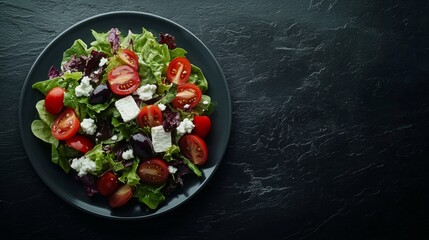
330, 122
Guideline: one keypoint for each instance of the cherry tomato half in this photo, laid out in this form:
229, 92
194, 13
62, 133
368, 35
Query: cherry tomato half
123, 80
154, 171
188, 96
194, 148
129, 58
80, 143
150, 115
179, 70
107, 184
66, 125
120, 196
54, 100
203, 124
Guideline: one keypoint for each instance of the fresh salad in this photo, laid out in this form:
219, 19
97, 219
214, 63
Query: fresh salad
126, 116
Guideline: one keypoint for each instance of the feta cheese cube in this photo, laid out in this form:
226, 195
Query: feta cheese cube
185, 126
162, 106
128, 108
102, 62
172, 169
146, 92
88, 126
83, 165
161, 140
127, 155
84, 88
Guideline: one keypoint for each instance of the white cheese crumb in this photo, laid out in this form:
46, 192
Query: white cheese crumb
127, 155
161, 140
102, 62
84, 88
186, 106
172, 169
128, 108
88, 126
83, 165
205, 102
185, 126
146, 92
114, 137
161, 106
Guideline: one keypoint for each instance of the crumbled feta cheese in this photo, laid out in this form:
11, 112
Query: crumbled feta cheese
83, 165
161, 140
114, 137
88, 126
161, 106
186, 106
205, 102
128, 108
172, 169
97, 71
84, 88
102, 62
185, 126
146, 92
127, 155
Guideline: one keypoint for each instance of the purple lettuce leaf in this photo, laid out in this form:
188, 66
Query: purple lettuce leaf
176, 181
75, 64
89, 183
53, 72
92, 68
114, 39
168, 39
171, 120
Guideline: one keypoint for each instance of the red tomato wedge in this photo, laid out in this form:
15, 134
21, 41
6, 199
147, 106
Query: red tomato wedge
66, 125
188, 96
179, 70
123, 80
194, 148
120, 196
54, 100
203, 124
150, 115
154, 171
129, 58
80, 143
107, 184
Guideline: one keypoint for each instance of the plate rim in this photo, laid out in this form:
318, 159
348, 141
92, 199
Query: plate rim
112, 13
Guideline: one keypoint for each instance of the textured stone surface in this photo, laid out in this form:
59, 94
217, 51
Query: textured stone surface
330, 122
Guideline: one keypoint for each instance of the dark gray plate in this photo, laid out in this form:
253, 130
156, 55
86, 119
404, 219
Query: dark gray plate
39, 152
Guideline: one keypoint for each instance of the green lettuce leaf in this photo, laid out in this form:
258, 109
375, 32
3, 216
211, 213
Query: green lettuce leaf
78, 48
197, 77
205, 106
101, 42
130, 176
42, 131
150, 195
177, 52
43, 114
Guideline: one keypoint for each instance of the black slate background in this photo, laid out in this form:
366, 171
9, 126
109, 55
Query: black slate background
330, 121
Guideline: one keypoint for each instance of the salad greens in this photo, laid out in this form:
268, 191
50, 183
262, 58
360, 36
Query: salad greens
112, 137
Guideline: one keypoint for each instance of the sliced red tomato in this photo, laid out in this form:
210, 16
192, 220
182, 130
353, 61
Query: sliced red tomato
150, 115
123, 80
107, 183
188, 96
203, 124
179, 70
154, 171
194, 148
80, 143
66, 125
129, 58
54, 100
120, 196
